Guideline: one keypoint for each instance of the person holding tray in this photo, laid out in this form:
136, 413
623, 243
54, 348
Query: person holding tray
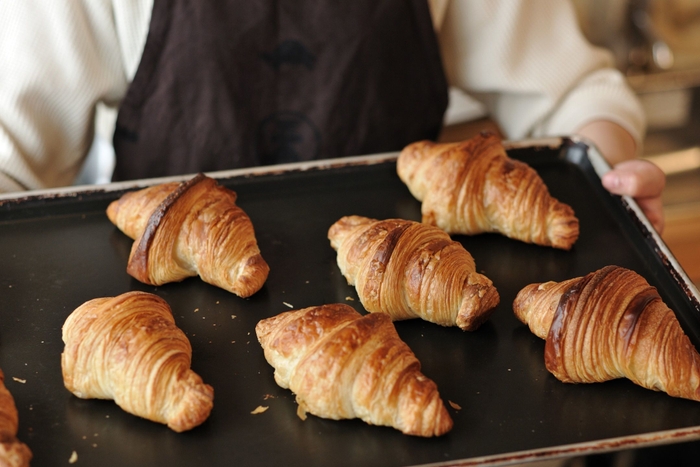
204, 86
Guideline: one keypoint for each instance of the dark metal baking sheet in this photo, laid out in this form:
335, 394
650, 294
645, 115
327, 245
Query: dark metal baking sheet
58, 250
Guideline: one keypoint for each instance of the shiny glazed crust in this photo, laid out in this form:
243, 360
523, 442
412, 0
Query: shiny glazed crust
611, 324
188, 229
341, 365
473, 187
412, 270
128, 348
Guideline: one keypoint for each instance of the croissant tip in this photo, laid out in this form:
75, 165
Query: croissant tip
445, 426
252, 277
524, 298
194, 407
478, 306
111, 211
343, 226
474, 321
564, 230
434, 420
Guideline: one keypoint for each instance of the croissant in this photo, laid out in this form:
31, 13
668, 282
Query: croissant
472, 187
611, 324
408, 270
13, 452
189, 229
128, 348
341, 365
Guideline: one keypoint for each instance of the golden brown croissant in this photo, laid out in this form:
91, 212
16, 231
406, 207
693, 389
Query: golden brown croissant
473, 186
409, 270
13, 453
341, 365
188, 229
611, 324
128, 348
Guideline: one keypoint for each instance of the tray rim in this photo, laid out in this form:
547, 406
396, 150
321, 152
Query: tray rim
567, 451
368, 159
600, 167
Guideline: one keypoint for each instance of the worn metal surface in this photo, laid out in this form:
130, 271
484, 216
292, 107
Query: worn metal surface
58, 250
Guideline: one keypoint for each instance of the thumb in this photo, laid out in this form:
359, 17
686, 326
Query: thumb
636, 178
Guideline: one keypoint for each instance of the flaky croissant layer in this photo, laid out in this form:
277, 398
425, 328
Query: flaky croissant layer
188, 229
128, 348
473, 186
13, 452
611, 324
408, 270
341, 364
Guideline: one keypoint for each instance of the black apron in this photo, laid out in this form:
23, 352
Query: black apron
241, 83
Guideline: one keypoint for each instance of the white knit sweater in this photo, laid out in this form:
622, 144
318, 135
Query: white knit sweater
525, 61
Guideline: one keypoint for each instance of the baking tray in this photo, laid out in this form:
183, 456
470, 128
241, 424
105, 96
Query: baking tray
58, 250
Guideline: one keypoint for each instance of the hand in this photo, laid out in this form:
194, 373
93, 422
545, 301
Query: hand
638, 178
643, 181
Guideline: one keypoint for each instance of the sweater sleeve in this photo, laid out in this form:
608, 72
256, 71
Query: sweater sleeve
65, 56
530, 66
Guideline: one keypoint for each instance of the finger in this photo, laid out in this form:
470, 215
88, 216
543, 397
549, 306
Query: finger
636, 178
